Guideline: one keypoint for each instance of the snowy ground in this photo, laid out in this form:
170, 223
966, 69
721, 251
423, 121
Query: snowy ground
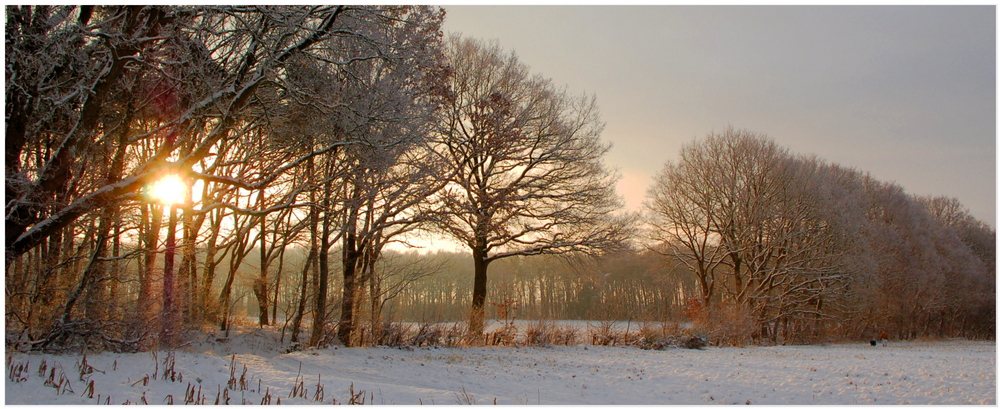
248, 370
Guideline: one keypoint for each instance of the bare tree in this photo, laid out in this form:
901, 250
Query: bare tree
685, 211
768, 228
524, 165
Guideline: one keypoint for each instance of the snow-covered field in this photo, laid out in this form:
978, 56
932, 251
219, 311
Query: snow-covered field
248, 370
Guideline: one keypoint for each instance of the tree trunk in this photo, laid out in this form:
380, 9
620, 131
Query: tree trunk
225, 296
167, 314
313, 250
50, 258
304, 285
477, 318
375, 292
351, 256
260, 286
319, 312
150, 242
188, 270
116, 271
209, 308
277, 286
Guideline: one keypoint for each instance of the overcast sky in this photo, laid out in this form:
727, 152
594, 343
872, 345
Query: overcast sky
907, 93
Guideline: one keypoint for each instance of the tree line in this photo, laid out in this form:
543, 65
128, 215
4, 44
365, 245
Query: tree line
307, 139
436, 287
791, 246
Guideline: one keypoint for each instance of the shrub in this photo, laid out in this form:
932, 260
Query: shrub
427, 335
563, 335
392, 334
728, 324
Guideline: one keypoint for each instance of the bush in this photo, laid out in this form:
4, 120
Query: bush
538, 333
506, 335
694, 342
392, 334
427, 335
728, 325
563, 335
603, 334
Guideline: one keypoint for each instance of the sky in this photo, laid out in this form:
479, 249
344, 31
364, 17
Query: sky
907, 93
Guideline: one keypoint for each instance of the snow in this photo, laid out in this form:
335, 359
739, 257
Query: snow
250, 367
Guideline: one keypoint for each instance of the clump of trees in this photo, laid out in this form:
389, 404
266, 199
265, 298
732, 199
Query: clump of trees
790, 247
336, 129
290, 126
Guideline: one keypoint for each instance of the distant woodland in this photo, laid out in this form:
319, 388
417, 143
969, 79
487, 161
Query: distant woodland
172, 170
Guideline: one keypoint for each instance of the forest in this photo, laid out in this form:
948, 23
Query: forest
174, 169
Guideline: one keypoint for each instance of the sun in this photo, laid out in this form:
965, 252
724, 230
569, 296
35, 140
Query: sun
169, 190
